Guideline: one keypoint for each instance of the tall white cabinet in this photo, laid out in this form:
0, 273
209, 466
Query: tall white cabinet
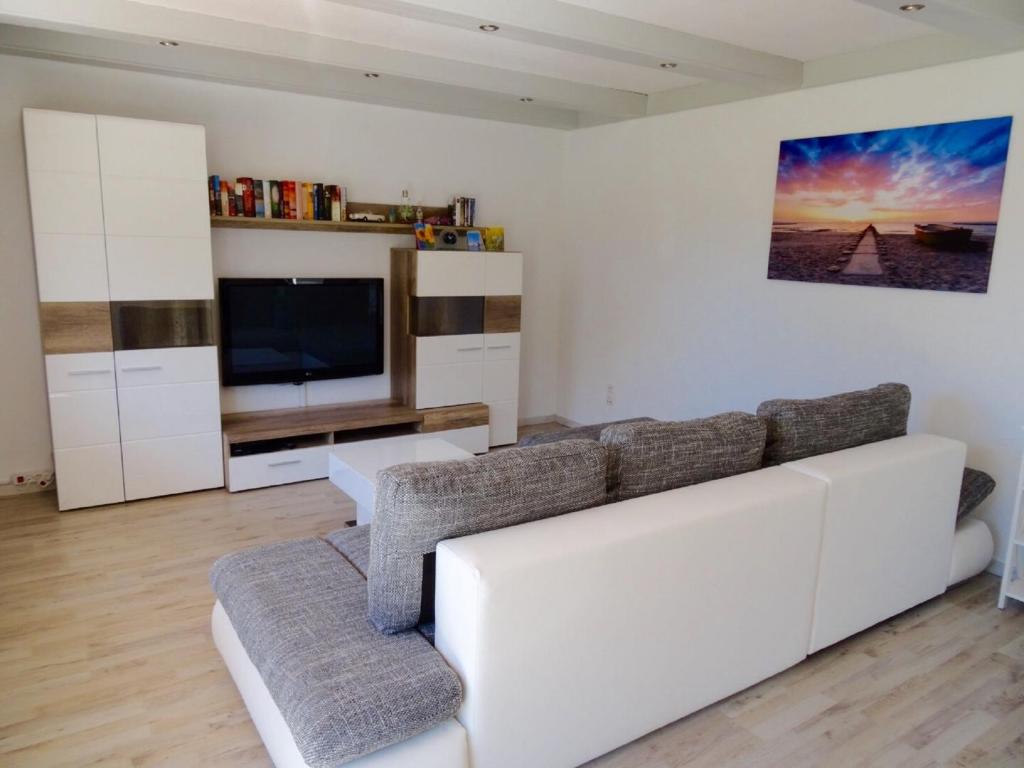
122, 241
456, 332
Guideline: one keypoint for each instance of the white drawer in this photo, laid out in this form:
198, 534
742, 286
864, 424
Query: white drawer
452, 384
78, 372
89, 476
155, 207
172, 465
503, 274
71, 267
173, 365
449, 273
159, 268
504, 422
167, 410
436, 350
265, 469
501, 380
131, 147
80, 419
501, 346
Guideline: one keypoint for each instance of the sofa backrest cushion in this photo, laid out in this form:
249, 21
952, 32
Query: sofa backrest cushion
650, 457
798, 429
419, 505
587, 432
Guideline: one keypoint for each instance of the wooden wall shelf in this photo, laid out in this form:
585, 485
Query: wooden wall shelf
381, 228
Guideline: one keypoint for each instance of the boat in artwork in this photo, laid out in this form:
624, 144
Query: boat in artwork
943, 236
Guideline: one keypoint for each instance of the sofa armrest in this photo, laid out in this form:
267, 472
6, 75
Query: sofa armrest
576, 634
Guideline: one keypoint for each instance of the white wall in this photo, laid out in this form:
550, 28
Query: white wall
375, 151
666, 233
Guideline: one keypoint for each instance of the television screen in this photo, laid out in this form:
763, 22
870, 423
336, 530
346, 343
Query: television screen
300, 329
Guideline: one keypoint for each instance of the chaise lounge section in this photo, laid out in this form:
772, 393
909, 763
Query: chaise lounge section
587, 592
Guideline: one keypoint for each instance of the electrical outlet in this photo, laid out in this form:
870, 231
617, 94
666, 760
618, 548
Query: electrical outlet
19, 479
610, 396
43, 479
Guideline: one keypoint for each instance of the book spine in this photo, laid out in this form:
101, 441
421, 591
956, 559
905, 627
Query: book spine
305, 209
335, 202
286, 200
239, 197
343, 195
472, 211
292, 201
318, 201
248, 198
275, 199
213, 187
259, 203
267, 208
232, 200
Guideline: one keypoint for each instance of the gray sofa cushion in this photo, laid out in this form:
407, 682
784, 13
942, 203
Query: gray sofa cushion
419, 505
974, 489
344, 689
801, 428
354, 544
650, 457
588, 432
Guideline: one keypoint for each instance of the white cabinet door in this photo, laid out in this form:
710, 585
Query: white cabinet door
171, 365
504, 422
462, 348
71, 267
501, 346
160, 268
65, 203
449, 384
144, 207
449, 273
172, 465
152, 149
60, 141
88, 476
501, 380
76, 372
80, 419
167, 410
504, 274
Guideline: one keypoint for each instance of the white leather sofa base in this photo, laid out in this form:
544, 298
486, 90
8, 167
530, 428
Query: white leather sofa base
973, 548
889, 524
441, 747
579, 633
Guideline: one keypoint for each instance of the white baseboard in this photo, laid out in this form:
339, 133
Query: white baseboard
9, 489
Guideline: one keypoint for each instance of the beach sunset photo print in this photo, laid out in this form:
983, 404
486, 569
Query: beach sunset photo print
902, 208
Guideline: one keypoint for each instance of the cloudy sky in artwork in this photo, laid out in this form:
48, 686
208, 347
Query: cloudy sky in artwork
951, 172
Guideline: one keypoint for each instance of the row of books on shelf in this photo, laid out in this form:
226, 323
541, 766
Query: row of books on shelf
464, 212
261, 199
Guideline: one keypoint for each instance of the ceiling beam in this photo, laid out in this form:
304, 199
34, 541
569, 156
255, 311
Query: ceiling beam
142, 23
999, 22
280, 74
574, 29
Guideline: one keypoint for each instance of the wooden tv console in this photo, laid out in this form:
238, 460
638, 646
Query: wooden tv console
264, 448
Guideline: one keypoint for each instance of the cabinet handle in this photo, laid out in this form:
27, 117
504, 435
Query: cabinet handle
284, 463
134, 368
93, 372
500, 346
469, 349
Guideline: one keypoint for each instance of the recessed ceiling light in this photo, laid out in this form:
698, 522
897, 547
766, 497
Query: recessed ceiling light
372, 75
527, 99
169, 43
911, 7
668, 65
489, 27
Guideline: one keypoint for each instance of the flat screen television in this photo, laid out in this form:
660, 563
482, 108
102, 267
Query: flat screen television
292, 329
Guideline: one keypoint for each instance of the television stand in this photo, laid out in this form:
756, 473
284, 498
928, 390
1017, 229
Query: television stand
290, 445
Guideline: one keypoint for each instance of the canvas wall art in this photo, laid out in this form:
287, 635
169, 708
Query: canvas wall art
903, 208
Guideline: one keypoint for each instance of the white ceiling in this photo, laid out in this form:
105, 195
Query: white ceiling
557, 63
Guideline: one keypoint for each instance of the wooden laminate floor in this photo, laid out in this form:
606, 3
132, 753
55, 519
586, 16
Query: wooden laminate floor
106, 657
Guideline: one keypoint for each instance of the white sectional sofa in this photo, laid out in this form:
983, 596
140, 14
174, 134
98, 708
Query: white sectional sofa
576, 634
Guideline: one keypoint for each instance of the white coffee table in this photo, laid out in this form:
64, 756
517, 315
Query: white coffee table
353, 467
